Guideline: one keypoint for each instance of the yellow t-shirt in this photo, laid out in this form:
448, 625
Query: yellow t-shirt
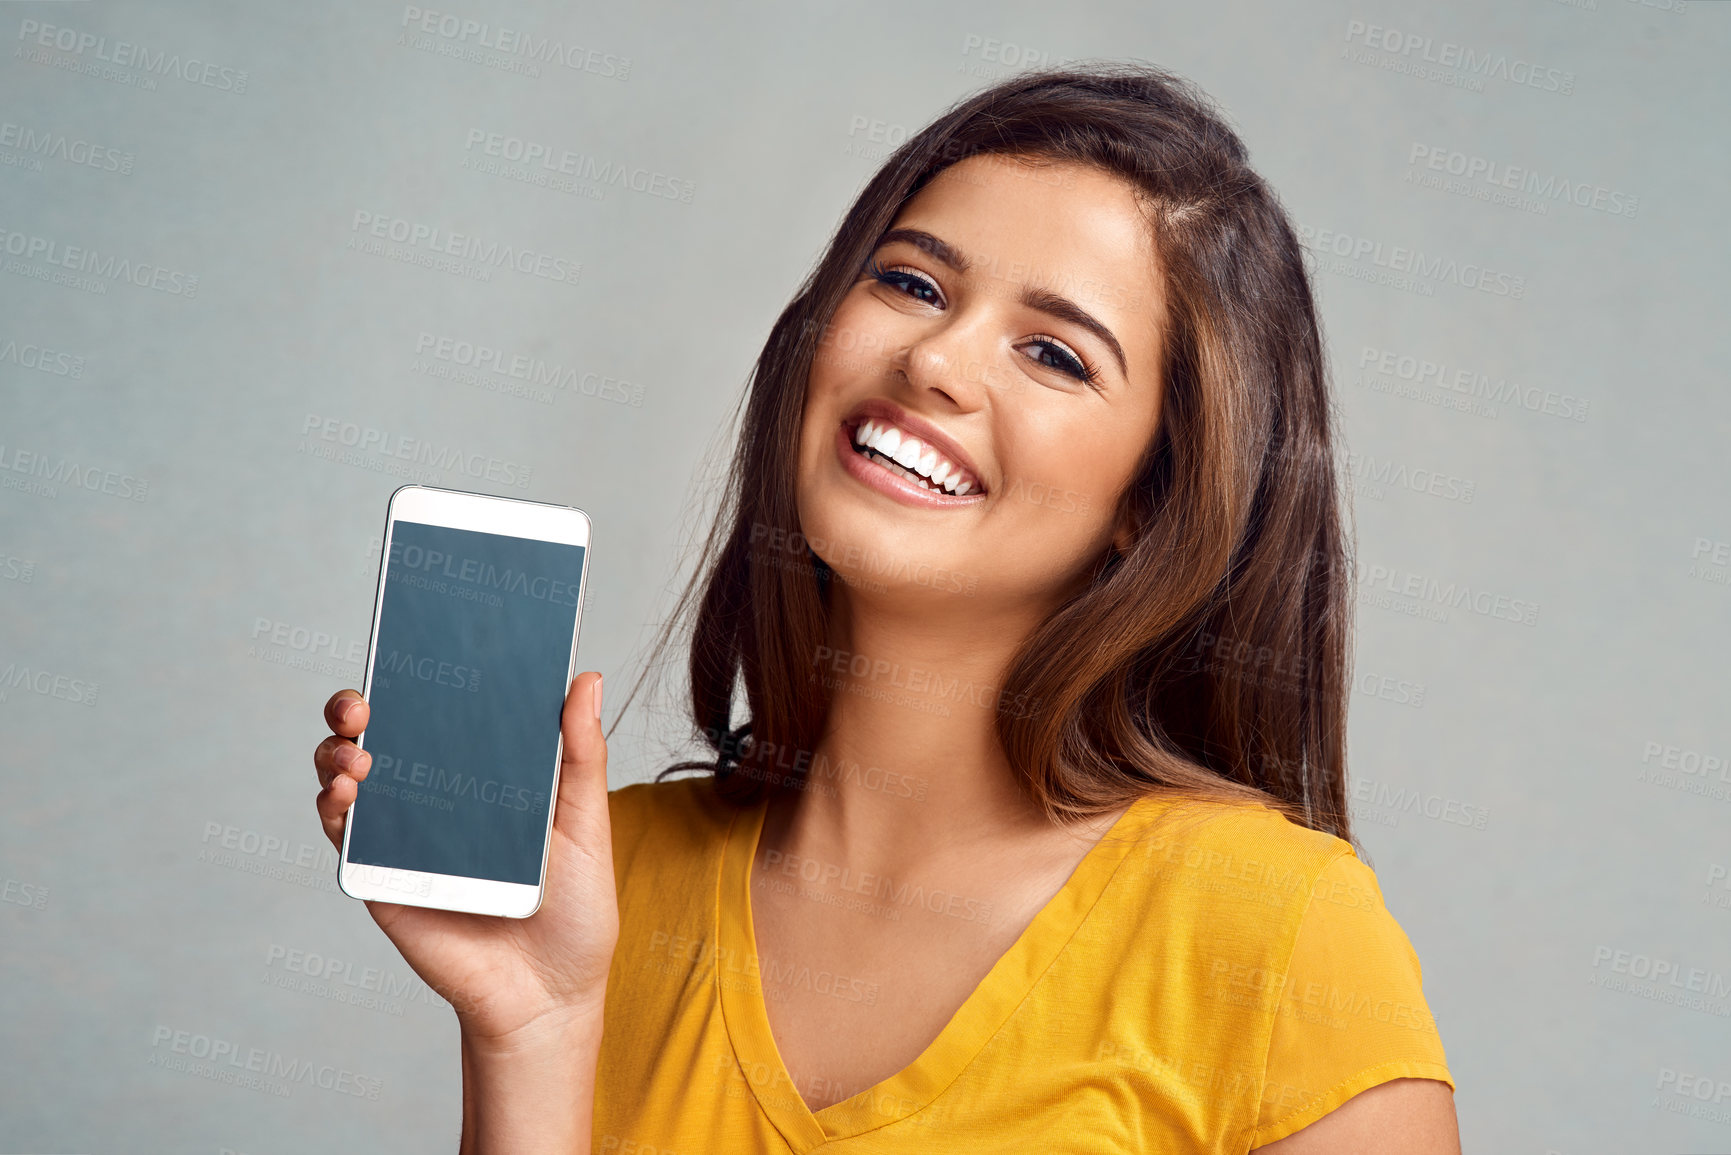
1209, 979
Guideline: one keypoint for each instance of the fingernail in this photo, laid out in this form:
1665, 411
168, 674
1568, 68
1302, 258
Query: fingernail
343, 711
597, 699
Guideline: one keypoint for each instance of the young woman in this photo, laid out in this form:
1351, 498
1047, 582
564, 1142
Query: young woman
1032, 572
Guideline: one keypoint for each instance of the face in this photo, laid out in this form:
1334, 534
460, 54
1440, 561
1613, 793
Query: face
1007, 329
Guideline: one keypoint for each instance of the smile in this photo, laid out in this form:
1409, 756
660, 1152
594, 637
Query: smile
888, 458
907, 455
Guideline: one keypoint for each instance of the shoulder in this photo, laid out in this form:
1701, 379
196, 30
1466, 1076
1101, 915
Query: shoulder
1248, 850
1219, 891
1347, 883
1352, 1012
1349, 935
1291, 923
1335, 922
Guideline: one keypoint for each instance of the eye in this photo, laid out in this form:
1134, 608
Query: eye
905, 281
1057, 355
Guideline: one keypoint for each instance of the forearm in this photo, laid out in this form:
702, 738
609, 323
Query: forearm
532, 1094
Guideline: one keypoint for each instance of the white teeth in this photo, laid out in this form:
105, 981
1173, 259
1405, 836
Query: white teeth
912, 454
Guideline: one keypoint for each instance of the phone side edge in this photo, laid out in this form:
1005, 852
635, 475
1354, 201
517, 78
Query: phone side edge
367, 675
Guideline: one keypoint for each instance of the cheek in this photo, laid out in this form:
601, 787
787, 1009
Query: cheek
1068, 474
856, 341
844, 362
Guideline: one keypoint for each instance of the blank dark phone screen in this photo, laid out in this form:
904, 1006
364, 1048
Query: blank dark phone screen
469, 679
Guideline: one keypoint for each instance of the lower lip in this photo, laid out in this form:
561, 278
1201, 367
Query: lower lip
870, 473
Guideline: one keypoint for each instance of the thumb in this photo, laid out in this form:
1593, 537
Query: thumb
582, 808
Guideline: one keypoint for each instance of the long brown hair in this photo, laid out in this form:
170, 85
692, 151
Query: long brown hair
1208, 660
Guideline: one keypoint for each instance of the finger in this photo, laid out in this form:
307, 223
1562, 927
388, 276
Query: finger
582, 807
333, 804
344, 716
336, 756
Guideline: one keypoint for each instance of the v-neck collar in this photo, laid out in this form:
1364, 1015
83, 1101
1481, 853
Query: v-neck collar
980, 1016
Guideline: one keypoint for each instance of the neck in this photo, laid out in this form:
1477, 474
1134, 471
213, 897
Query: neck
910, 769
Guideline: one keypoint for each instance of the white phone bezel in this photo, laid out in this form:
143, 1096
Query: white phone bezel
513, 517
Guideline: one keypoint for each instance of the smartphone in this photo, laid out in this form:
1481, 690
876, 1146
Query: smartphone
473, 647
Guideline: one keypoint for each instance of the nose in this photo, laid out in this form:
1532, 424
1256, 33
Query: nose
956, 359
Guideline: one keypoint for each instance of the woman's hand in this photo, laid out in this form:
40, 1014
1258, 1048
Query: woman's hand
507, 978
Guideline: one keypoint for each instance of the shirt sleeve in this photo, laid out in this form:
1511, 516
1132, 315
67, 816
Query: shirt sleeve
1352, 1013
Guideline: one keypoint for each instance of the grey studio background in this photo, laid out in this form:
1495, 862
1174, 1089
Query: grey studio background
1515, 212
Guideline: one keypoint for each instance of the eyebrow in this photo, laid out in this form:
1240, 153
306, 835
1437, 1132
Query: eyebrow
1041, 300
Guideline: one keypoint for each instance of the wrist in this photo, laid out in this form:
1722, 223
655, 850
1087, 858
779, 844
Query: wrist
576, 1025
531, 1090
